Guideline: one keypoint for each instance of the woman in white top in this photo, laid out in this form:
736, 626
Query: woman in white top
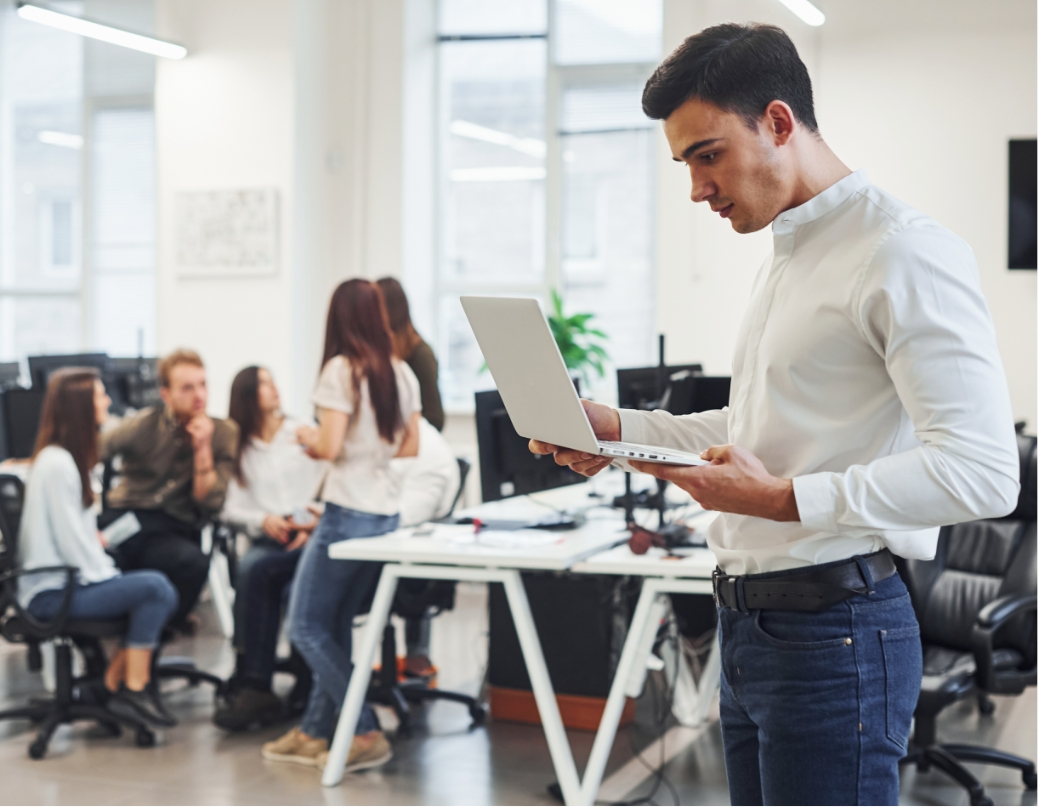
368, 406
59, 528
274, 483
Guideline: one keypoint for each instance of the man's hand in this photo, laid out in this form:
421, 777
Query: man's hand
200, 427
278, 528
735, 481
301, 538
605, 422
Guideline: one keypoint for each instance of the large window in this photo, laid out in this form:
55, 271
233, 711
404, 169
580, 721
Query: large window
546, 169
77, 191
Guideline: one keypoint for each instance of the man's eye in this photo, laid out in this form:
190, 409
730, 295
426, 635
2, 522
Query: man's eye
709, 157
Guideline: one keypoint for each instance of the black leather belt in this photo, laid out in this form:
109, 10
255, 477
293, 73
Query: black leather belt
815, 588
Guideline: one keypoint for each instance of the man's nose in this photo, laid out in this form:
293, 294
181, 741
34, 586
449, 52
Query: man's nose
702, 187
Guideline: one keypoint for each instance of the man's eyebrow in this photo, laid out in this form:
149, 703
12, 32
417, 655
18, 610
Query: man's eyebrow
696, 146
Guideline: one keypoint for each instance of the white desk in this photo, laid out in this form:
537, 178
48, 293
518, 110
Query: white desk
455, 553
662, 575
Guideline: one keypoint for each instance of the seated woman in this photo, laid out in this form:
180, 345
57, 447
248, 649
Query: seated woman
274, 482
59, 528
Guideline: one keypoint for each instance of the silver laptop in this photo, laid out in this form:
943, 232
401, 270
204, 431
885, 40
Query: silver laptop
535, 385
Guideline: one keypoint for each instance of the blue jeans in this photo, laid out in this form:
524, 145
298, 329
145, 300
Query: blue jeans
816, 707
146, 596
326, 595
264, 577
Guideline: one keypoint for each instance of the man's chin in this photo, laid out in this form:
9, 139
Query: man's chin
744, 227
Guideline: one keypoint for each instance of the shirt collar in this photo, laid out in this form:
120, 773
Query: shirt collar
821, 203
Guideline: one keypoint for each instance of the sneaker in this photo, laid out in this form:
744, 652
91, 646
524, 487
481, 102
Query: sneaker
295, 747
143, 705
246, 707
366, 751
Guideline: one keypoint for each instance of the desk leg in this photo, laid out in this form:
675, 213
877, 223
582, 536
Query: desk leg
634, 652
709, 681
358, 687
558, 743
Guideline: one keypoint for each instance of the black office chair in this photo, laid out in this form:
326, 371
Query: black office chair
419, 598
75, 698
976, 606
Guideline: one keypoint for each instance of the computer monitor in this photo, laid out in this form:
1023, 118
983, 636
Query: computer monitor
710, 392
642, 387
133, 383
10, 372
506, 466
19, 421
41, 367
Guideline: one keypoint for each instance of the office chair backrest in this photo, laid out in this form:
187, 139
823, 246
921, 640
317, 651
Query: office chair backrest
464, 466
976, 562
12, 496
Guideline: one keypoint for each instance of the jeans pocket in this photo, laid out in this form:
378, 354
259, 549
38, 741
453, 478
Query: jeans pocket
903, 669
794, 630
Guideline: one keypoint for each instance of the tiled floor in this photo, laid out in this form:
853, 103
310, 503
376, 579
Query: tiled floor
444, 762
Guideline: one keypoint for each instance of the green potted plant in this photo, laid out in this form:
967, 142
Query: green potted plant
579, 344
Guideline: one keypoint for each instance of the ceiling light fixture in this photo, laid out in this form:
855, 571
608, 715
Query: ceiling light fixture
105, 33
806, 10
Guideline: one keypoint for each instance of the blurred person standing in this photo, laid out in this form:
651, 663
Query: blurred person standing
410, 347
368, 407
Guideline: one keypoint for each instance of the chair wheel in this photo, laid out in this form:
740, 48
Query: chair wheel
145, 738
986, 706
37, 749
478, 714
981, 800
1031, 780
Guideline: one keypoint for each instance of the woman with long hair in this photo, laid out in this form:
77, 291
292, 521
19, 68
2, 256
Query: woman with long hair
411, 348
368, 408
275, 482
59, 528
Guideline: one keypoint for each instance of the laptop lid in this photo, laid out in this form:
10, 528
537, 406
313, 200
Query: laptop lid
529, 371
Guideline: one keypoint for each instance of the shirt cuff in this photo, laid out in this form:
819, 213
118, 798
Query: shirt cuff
816, 501
632, 426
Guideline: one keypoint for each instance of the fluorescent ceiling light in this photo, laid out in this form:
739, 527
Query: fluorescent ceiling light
806, 10
63, 139
473, 131
94, 30
505, 173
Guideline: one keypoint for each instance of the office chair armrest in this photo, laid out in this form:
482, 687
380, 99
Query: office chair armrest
991, 617
44, 629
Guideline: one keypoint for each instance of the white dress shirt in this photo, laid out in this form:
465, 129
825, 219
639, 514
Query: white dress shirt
57, 530
429, 482
865, 370
280, 477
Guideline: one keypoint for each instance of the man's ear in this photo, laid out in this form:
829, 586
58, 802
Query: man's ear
164, 393
779, 122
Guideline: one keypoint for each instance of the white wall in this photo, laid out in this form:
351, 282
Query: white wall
303, 96
922, 95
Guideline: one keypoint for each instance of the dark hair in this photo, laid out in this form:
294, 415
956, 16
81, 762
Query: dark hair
358, 329
737, 68
405, 337
69, 420
179, 356
245, 411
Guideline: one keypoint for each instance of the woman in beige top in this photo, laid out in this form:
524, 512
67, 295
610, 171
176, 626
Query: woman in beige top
369, 408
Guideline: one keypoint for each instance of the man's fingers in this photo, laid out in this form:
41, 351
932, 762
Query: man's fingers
537, 447
716, 453
655, 469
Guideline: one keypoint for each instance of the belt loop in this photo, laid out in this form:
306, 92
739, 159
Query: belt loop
740, 594
866, 573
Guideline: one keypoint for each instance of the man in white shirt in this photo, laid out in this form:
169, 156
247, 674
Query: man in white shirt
868, 407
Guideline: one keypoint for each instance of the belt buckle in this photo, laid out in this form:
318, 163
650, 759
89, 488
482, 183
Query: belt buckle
715, 576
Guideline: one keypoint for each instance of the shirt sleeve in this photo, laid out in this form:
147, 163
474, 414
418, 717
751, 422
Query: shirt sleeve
335, 387
695, 433
120, 438
225, 445
921, 309
75, 543
241, 510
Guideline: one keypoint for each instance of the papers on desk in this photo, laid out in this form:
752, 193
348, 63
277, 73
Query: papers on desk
499, 539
